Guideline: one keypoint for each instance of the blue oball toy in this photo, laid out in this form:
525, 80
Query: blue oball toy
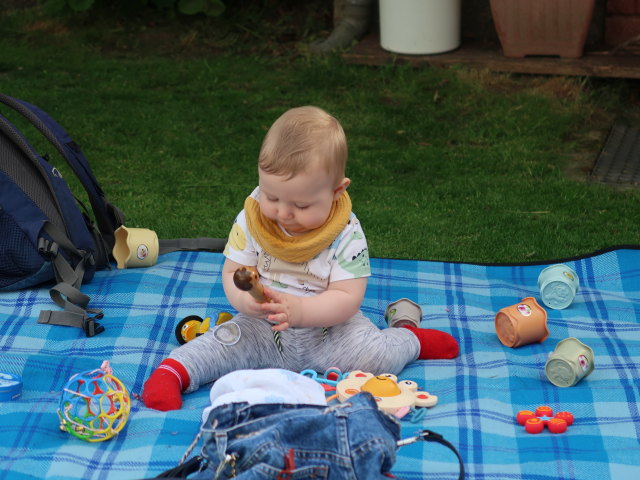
94, 405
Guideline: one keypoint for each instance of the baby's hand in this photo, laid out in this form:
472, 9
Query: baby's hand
252, 308
284, 309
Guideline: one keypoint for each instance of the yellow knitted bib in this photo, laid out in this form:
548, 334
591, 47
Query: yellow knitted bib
300, 248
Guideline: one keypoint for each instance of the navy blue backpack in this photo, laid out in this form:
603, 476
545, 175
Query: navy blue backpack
44, 234
47, 234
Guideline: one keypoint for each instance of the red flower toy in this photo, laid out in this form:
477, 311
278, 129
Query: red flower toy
543, 416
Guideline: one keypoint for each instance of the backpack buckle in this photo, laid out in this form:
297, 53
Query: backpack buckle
86, 323
90, 326
47, 249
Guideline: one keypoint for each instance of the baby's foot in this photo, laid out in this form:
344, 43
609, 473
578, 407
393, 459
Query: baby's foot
434, 344
163, 389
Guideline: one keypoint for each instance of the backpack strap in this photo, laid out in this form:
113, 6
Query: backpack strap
108, 216
66, 293
70, 318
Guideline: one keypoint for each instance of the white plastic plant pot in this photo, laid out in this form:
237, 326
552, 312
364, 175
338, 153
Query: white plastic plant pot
420, 27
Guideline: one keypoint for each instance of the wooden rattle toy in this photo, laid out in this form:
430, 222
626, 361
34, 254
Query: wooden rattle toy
390, 394
247, 279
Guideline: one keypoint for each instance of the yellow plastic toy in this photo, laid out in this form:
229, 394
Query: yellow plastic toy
193, 326
392, 395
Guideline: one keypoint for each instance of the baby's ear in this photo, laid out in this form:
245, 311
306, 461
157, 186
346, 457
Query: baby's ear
341, 188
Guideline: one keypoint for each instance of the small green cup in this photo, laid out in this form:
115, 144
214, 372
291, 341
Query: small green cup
403, 312
570, 362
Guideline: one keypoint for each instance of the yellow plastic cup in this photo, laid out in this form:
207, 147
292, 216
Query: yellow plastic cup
135, 247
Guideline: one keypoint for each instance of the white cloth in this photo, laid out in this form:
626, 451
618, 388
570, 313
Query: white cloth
269, 385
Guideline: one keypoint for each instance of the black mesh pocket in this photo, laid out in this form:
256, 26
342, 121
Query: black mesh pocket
19, 259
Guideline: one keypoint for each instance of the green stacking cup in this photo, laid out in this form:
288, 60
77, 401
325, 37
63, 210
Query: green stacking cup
569, 363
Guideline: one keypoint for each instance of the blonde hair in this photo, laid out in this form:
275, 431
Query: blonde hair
303, 138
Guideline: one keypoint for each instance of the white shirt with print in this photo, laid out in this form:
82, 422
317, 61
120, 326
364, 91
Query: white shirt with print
346, 258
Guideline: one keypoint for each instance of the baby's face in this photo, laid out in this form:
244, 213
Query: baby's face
299, 204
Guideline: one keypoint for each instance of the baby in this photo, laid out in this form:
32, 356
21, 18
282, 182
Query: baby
297, 229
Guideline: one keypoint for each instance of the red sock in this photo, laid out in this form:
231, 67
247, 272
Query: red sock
163, 389
434, 344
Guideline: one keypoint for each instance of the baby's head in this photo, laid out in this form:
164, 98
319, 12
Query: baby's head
304, 139
301, 169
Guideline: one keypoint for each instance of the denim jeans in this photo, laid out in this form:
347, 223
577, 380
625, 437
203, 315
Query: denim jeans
353, 440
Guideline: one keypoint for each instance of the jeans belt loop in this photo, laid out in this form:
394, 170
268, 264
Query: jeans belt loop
221, 443
342, 410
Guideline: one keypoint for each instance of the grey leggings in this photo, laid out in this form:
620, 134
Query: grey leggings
354, 345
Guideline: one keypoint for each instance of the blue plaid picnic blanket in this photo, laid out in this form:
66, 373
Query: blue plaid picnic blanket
479, 392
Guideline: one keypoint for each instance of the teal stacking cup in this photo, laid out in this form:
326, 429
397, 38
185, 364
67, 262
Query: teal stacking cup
10, 387
558, 286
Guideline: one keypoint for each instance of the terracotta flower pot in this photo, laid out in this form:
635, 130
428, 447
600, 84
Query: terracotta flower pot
542, 27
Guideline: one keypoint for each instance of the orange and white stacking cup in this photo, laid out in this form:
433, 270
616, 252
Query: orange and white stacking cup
522, 323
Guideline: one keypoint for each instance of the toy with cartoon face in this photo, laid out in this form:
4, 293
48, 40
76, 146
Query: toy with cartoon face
391, 394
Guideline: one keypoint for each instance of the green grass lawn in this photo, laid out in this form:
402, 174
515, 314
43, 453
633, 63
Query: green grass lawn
446, 164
